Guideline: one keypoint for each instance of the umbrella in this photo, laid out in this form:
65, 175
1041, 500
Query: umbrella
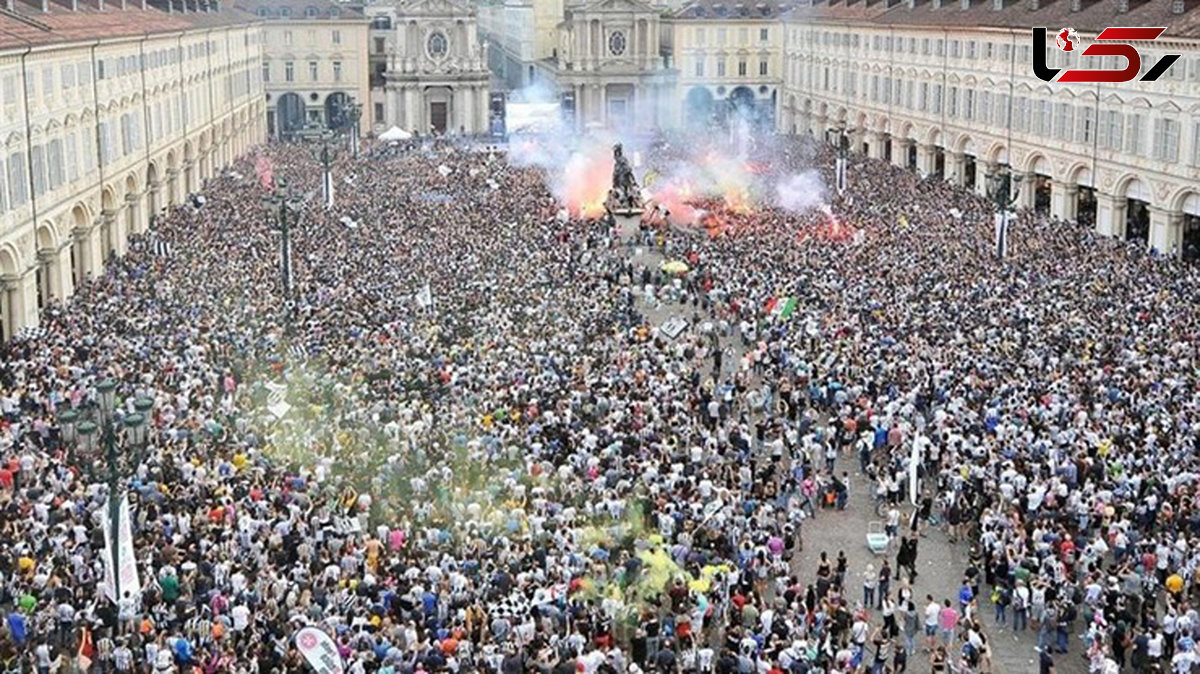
674, 267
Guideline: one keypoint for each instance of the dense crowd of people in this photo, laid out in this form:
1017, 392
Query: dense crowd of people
462, 443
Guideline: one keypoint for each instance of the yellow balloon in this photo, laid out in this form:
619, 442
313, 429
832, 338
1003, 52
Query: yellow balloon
1174, 583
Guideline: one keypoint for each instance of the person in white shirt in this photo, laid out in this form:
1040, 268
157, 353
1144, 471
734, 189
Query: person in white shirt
932, 611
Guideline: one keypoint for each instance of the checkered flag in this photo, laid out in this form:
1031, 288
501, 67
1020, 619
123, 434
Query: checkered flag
31, 333
513, 607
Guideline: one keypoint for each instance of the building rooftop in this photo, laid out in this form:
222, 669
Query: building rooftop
28, 23
302, 10
729, 10
1180, 17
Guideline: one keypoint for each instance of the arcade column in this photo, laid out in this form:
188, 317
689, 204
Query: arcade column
62, 284
483, 115
20, 295
1064, 200
925, 155
955, 162
1166, 231
982, 183
877, 140
90, 255
1027, 197
900, 152
1110, 215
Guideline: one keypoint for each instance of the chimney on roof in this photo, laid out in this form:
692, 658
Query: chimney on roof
1035, 5
1076, 5
936, 4
997, 5
966, 4
1122, 6
1178, 6
124, 5
911, 4
45, 6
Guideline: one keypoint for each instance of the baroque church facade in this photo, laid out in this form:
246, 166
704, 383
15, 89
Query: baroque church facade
609, 66
428, 68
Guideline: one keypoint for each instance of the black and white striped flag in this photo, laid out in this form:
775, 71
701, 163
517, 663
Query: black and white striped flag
162, 248
297, 351
31, 332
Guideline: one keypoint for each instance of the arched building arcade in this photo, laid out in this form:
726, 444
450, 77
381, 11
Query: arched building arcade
915, 84
110, 131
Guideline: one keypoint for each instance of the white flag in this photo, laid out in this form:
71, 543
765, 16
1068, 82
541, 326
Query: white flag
914, 467
126, 561
425, 297
319, 651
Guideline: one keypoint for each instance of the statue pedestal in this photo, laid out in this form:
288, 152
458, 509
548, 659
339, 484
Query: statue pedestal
627, 227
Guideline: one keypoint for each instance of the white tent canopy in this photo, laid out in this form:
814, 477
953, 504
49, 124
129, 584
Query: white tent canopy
395, 133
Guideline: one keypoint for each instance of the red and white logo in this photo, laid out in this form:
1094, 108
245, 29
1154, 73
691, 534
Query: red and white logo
1066, 39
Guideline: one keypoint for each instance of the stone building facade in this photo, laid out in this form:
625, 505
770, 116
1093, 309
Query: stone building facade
429, 68
948, 89
314, 63
109, 113
729, 57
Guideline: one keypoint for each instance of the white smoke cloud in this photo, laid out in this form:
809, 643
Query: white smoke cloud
801, 192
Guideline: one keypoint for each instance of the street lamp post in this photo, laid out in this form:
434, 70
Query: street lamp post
1004, 196
327, 156
283, 204
124, 437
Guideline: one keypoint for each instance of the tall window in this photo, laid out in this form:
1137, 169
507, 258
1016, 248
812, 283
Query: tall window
764, 34
287, 37
38, 164
1085, 127
266, 71
337, 37
71, 160
18, 181
762, 68
1064, 114
1134, 143
699, 66
952, 105
1196, 144
3, 191
720, 67
289, 72
312, 71
1110, 131
337, 71
1166, 140
1046, 118
55, 160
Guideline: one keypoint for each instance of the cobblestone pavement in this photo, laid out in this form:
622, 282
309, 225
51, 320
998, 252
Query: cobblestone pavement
940, 563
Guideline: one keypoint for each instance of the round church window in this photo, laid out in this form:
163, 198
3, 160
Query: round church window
438, 46
616, 43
